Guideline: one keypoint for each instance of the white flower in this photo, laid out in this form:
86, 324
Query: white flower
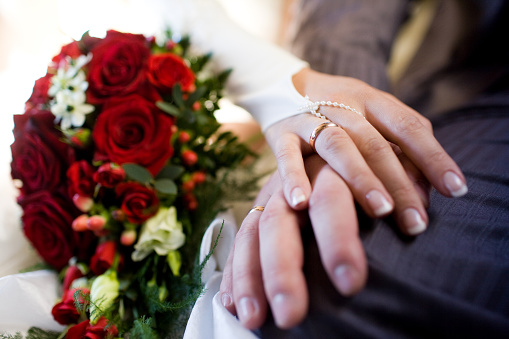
70, 108
68, 88
161, 233
103, 293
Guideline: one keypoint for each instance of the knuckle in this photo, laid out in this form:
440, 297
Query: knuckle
409, 124
375, 147
333, 142
267, 219
247, 232
437, 157
403, 194
427, 123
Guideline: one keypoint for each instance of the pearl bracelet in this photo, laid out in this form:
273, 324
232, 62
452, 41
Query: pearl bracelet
312, 107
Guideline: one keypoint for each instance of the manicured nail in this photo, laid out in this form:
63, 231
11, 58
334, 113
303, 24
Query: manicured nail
226, 299
247, 309
413, 221
345, 279
297, 196
378, 203
455, 185
281, 308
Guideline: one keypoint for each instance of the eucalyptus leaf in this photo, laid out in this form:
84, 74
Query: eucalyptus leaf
168, 108
137, 173
165, 186
171, 172
177, 96
199, 93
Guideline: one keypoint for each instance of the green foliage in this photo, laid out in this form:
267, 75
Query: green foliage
144, 328
137, 173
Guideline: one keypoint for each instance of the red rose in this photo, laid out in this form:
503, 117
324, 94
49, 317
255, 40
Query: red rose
109, 175
98, 331
103, 257
133, 130
80, 175
138, 202
71, 50
47, 220
118, 67
72, 273
39, 157
39, 95
166, 70
65, 312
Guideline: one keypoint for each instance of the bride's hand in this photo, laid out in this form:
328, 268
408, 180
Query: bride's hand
265, 265
364, 151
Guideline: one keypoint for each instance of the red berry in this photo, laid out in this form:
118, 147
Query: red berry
189, 158
128, 237
84, 204
184, 137
96, 222
80, 223
199, 177
188, 186
191, 202
196, 106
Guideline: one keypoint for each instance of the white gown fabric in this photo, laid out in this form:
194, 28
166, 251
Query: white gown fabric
260, 83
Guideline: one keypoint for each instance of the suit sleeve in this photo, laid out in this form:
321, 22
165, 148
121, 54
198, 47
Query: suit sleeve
348, 37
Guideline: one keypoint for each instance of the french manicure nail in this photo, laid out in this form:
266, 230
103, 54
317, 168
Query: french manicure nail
226, 299
247, 308
413, 221
281, 308
454, 184
297, 196
378, 203
345, 276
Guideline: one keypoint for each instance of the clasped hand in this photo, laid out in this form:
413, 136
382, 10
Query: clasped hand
384, 161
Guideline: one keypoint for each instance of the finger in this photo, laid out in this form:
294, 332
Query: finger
249, 298
282, 260
287, 149
413, 134
379, 155
335, 228
336, 147
421, 184
226, 287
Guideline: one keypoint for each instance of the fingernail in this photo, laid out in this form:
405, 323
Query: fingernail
455, 185
378, 203
247, 309
345, 279
297, 196
413, 221
226, 299
281, 308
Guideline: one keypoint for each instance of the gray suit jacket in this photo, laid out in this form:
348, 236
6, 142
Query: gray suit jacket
464, 57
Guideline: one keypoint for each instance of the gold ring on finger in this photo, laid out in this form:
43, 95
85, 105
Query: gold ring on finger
317, 131
256, 208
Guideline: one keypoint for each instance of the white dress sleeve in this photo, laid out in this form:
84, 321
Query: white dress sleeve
261, 81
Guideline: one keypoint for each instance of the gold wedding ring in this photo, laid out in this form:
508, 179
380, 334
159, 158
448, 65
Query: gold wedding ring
256, 208
317, 131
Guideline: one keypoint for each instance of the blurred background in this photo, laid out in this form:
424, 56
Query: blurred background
32, 32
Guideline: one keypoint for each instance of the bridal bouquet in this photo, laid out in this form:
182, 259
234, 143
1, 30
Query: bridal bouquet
120, 168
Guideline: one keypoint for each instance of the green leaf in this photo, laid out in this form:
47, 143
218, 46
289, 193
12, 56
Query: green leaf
189, 116
171, 172
137, 173
177, 96
196, 95
168, 108
166, 186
